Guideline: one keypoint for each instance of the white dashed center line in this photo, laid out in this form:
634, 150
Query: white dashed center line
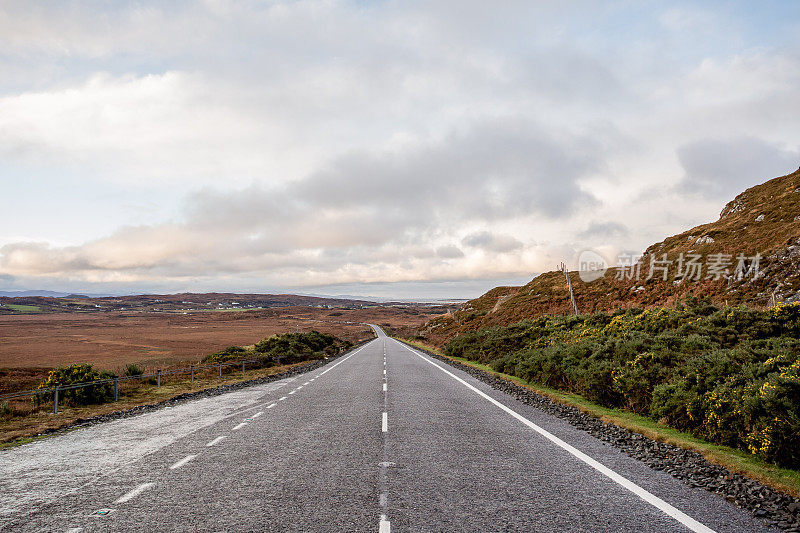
385, 424
306, 383
135, 492
281, 398
384, 387
239, 426
218, 439
384, 526
292, 391
182, 462
270, 406
259, 413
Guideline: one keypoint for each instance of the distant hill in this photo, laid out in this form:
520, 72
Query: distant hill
22, 294
764, 219
167, 302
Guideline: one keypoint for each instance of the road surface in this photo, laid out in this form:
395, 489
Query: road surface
384, 439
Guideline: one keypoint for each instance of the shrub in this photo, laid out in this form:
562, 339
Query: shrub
729, 375
231, 353
77, 373
294, 347
132, 369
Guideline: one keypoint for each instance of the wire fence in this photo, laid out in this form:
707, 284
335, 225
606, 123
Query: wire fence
58, 390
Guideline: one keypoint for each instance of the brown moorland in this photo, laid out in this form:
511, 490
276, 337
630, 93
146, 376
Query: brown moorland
32, 344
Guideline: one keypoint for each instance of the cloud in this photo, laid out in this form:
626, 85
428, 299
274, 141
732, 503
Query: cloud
722, 168
490, 242
449, 252
604, 230
348, 142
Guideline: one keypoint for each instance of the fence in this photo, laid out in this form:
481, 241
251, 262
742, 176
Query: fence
57, 390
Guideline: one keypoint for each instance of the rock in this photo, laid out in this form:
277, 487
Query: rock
759, 218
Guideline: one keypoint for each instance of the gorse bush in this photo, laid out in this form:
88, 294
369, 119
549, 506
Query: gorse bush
285, 349
77, 373
231, 353
294, 347
729, 375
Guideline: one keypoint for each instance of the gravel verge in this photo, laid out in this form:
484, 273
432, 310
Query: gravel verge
777, 508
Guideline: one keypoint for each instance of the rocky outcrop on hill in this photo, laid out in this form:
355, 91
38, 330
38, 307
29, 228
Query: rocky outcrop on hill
751, 256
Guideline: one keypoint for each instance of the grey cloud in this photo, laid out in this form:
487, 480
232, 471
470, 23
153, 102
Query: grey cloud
498, 169
449, 252
604, 230
570, 76
723, 168
490, 242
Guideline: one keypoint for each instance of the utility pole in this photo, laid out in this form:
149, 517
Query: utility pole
563, 268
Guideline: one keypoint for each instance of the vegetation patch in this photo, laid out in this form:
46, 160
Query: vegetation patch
728, 375
77, 373
285, 348
22, 308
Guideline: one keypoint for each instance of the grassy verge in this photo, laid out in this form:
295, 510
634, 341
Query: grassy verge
29, 425
782, 479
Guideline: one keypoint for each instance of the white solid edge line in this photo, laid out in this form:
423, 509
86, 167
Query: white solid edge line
134, 493
215, 441
182, 462
385, 423
343, 360
74, 530
239, 426
384, 526
650, 498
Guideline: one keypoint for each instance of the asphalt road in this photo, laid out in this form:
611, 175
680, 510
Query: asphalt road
383, 439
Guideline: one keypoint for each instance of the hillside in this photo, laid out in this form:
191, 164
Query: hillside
764, 220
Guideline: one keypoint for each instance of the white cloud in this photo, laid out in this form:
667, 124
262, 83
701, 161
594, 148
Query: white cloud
345, 142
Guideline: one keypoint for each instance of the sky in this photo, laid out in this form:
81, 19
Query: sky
408, 149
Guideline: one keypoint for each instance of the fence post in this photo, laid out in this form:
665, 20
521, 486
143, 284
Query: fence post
55, 398
116, 389
192, 380
220, 370
242, 366
158, 377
